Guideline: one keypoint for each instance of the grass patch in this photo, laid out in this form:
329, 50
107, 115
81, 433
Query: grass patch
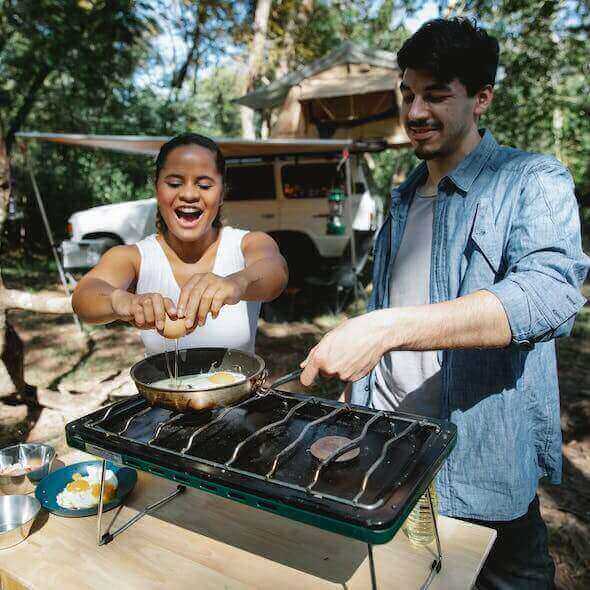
582, 325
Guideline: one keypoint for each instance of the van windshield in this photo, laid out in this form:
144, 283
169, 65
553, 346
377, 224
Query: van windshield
311, 181
250, 182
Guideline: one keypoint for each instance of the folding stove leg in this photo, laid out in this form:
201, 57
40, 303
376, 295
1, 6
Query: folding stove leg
372, 567
103, 539
436, 565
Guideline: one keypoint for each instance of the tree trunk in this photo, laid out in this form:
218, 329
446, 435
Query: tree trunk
7, 383
304, 9
193, 54
11, 347
255, 64
26, 107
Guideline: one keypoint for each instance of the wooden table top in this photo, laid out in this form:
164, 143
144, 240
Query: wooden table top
202, 541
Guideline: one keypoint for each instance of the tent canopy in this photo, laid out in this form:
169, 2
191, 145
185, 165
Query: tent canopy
353, 85
231, 147
274, 94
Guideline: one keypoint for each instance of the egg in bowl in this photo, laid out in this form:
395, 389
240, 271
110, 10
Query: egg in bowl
84, 490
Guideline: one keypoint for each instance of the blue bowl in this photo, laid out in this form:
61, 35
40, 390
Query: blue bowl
50, 486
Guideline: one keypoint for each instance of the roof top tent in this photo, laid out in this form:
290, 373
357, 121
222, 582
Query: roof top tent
351, 93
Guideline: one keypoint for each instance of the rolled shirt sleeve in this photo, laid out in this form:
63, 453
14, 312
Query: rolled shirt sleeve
546, 266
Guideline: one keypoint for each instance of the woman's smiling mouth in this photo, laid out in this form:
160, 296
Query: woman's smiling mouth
188, 216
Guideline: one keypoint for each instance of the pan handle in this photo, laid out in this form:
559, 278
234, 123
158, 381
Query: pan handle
286, 378
259, 382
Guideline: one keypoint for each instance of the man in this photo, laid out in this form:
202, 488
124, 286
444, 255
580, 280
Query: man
480, 259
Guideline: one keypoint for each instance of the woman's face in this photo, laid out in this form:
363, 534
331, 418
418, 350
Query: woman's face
189, 191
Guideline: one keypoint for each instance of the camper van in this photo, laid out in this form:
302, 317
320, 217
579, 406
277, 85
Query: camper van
284, 195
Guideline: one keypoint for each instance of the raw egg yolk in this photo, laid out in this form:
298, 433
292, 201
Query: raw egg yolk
109, 491
79, 485
222, 378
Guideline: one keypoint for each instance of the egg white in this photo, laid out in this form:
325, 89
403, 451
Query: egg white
198, 382
77, 500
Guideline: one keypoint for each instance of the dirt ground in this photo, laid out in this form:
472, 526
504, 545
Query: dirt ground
55, 356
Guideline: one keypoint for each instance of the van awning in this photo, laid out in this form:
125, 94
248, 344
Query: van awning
231, 147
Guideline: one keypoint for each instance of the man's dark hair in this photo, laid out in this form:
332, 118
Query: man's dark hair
453, 48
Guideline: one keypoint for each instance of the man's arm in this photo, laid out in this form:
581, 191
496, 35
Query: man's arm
546, 266
536, 300
350, 351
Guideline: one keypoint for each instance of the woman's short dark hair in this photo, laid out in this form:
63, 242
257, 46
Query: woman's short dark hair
182, 140
453, 48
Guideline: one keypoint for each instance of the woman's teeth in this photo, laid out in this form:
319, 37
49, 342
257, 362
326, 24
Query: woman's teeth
188, 214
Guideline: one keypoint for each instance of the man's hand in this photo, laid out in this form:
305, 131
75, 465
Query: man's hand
477, 320
146, 311
208, 293
351, 350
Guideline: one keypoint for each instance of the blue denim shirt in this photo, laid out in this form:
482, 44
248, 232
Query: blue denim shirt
505, 221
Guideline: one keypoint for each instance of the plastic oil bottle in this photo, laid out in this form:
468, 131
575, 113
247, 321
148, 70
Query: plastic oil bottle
419, 526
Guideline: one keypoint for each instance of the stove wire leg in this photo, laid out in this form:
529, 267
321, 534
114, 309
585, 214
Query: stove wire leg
436, 565
372, 567
103, 468
103, 539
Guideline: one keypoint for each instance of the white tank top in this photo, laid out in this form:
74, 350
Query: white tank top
234, 327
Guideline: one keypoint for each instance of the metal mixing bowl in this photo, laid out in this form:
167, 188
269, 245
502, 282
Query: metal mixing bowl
38, 455
17, 514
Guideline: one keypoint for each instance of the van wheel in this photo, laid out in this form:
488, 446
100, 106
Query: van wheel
301, 256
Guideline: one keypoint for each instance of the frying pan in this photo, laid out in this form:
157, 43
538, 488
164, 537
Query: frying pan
193, 361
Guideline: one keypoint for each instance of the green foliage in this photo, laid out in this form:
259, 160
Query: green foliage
541, 101
98, 66
299, 35
391, 167
77, 50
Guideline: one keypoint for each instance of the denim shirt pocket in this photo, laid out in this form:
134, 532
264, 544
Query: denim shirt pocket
482, 257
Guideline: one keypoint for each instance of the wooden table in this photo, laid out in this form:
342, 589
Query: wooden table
200, 541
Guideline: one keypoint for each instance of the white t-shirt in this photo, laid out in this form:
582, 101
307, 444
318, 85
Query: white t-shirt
410, 380
234, 327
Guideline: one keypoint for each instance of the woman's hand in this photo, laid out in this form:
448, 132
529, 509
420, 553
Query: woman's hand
146, 311
208, 293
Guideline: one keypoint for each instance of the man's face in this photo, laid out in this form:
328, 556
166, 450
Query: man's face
436, 116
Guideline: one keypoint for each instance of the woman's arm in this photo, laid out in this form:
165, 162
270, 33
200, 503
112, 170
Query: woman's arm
266, 274
103, 296
263, 279
92, 296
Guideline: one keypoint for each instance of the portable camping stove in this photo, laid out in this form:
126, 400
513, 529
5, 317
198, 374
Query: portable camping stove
347, 469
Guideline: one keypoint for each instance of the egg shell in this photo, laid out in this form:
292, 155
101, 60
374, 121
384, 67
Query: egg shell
174, 328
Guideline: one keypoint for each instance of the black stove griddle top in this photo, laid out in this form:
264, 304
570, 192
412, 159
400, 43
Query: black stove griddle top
260, 448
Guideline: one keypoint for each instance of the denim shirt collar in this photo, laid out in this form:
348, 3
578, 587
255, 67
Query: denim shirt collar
408, 187
469, 168
462, 176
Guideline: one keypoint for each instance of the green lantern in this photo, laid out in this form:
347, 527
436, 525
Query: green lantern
336, 226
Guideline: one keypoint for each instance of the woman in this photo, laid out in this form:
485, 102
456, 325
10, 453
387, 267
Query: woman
212, 276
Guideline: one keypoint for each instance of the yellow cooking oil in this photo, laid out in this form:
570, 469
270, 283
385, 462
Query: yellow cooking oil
419, 526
